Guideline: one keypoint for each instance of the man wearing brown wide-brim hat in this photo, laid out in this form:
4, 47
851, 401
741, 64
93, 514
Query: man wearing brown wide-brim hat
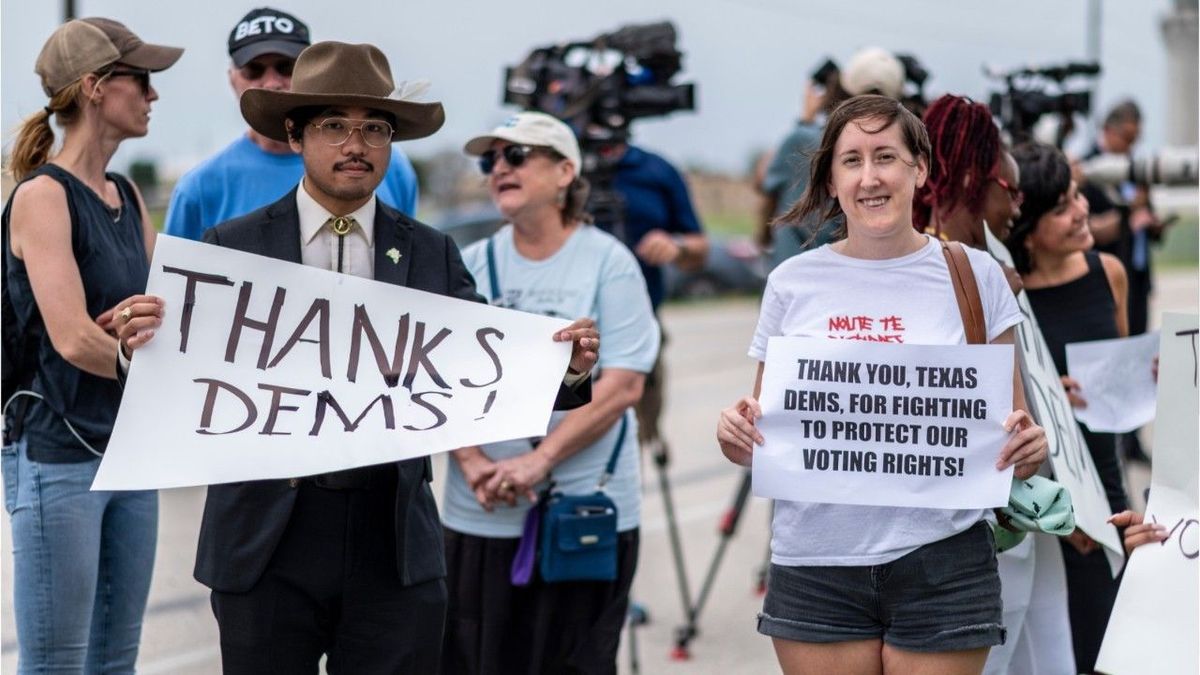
348, 564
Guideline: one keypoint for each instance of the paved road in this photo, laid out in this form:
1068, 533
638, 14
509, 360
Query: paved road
707, 369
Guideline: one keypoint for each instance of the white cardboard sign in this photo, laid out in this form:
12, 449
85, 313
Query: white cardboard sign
1069, 455
1116, 378
1156, 618
883, 424
269, 369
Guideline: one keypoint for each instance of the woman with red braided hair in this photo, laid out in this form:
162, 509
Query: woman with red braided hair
973, 181
955, 205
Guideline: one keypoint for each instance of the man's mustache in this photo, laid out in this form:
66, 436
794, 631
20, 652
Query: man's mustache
354, 162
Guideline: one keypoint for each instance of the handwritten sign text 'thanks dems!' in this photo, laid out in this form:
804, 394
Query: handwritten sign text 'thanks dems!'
268, 369
888, 425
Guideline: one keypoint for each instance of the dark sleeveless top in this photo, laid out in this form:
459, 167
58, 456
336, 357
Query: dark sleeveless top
110, 251
1082, 310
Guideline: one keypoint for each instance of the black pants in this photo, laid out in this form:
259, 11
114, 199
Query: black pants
564, 628
332, 588
1138, 299
1091, 594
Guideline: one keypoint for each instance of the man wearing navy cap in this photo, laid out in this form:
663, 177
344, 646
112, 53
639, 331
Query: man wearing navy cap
255, 170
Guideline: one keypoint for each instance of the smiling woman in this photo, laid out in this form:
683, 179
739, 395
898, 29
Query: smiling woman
1077, 295
828, 608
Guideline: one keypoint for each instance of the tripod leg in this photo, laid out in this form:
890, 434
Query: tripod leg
728, 527
765, 569
661, 460
631, 627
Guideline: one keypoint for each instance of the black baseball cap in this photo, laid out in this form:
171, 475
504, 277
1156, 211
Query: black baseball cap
267, 31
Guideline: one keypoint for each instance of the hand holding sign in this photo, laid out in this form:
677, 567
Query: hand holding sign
585, 347
1026, 447
135, 320
1137, 531
736, 431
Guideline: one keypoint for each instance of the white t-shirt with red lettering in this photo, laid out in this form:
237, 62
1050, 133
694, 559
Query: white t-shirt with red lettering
902, 300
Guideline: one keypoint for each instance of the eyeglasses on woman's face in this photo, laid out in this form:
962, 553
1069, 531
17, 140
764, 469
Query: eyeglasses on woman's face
1014, 192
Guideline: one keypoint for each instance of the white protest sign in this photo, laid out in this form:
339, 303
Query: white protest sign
1116, 379
884, 424
268, 369
1069, 455
1155, 621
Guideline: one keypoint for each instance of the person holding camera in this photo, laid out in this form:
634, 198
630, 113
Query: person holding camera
661, 228
503, 616
1121, 217
78, 243
1124, 225
871, 589
1078, 295
870, 71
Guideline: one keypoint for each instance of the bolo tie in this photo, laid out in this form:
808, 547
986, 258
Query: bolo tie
341, 226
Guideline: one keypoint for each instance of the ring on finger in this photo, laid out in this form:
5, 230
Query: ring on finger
127, 314
504, 486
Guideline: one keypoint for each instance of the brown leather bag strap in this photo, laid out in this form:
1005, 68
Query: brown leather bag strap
966, 291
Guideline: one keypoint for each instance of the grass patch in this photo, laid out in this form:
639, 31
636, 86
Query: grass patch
158, 217
734, 224
1181, 244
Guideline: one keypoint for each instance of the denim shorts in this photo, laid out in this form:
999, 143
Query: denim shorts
942, 597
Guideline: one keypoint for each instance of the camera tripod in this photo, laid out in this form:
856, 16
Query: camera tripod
727, 528
638, 616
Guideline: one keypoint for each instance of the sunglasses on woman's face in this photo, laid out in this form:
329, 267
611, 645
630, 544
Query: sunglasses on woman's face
142, 77
514, 155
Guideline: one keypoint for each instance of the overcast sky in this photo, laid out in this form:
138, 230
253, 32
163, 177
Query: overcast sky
749, 58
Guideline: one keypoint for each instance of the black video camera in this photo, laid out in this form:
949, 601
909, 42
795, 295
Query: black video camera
1026, 99
598, 87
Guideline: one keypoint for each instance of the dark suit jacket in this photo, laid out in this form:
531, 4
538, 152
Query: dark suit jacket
244, 522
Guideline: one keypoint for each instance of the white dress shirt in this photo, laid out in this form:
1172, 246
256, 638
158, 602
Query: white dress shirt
319, 245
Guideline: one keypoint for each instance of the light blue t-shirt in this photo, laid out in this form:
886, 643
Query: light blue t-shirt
244, 177
592, 275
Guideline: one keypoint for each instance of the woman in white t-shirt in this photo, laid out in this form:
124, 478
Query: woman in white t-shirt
867, 589
547, 260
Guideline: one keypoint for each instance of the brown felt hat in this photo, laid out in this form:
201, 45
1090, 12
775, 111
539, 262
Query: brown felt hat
336, 73
83, 46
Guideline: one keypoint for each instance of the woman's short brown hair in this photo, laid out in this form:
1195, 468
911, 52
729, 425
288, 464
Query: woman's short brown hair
816, 200
575, 196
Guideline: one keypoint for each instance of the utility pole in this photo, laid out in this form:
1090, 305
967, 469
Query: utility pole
1179, 32
68, 10
1092, 48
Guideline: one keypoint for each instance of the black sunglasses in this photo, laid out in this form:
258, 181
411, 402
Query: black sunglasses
141, 76
514, 155
256, 69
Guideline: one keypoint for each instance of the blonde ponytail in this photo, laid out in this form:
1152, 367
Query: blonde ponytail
35, 136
